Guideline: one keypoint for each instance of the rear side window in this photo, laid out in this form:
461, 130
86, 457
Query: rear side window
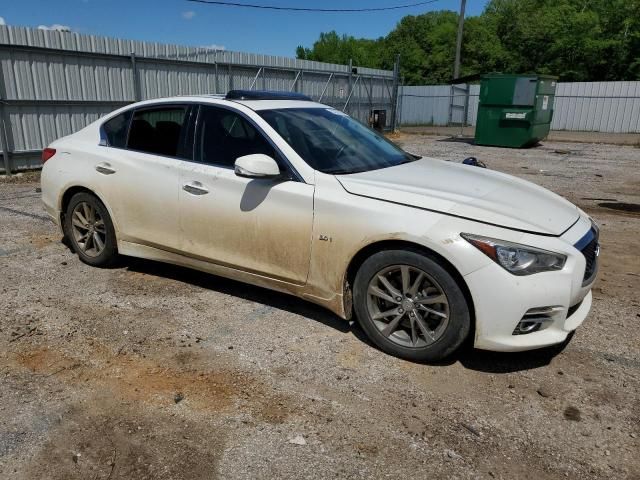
115, 130
160, 131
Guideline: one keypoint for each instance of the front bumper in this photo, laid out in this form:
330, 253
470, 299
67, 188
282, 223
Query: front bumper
556, 333
501, 300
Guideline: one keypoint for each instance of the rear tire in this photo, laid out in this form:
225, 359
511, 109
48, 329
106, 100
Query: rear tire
410, 306
90, 231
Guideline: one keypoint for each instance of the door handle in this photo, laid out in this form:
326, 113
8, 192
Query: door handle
105, 168
195, 188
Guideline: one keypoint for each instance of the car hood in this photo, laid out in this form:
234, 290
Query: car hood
465, 191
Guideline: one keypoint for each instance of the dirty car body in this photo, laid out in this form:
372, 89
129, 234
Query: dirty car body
292, 195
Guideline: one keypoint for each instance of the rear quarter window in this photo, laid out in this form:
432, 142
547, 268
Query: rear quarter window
115, 130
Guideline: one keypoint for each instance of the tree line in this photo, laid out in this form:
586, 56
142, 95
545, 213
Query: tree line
576, 40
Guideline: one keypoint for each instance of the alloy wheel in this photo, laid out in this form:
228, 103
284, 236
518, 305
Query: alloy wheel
89, 231
407, 306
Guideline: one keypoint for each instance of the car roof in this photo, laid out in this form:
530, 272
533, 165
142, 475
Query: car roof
276, 104
215, 99
265, 95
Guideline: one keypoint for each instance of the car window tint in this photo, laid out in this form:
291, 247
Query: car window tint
224, 136
236, 127
159, 131
116, 130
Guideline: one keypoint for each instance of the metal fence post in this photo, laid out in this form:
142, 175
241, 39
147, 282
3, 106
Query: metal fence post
294, 84
359, 101
370, 96
4, 139
465, 121
217, 81
450, 114
394, 93
400, 102
333, 94
349, 85
325, 87
255, 79
351, 90
136, 79
6, 136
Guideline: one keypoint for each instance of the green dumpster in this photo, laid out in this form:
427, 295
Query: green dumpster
514, 110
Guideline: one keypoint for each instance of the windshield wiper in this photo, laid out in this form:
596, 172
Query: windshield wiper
341, 171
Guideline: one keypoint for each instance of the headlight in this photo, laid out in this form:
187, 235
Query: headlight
515, 258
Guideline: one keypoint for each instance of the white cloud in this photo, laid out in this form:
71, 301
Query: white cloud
188, 15
55, 26
214, 47
2, 22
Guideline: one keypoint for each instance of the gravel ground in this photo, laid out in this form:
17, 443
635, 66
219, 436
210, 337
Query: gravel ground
152, 371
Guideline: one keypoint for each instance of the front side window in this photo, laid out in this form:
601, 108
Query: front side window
332, 142
224, 136
116, 129
159, 131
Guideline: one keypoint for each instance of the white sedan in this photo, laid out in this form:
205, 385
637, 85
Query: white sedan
275, 190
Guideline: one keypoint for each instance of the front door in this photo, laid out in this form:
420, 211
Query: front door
262, 226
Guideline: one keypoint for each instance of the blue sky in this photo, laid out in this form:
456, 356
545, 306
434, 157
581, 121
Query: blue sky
182, 22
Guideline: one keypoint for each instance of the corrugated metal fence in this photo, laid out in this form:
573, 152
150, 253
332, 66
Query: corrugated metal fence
54, 83
610, 107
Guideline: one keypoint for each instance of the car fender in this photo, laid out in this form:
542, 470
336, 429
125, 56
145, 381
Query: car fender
95, 191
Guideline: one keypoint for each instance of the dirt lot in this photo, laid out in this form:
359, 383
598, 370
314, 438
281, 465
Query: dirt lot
152, 371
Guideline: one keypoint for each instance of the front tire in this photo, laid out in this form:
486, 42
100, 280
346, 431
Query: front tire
89, 228
410, 306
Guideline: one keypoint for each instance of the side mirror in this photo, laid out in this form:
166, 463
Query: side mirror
257, 165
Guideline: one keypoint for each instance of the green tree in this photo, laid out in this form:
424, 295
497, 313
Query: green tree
482, 50
333, 48
577, 40
426, 44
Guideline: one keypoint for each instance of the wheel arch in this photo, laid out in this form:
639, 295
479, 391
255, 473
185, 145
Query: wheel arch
367, 251
68, 194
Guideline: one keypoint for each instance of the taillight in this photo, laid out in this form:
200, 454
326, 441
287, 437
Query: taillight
47, 153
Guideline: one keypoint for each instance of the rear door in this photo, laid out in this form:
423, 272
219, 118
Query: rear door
141, 177
261, 226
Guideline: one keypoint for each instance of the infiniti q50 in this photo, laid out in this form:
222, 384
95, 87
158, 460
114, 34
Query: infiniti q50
278, 191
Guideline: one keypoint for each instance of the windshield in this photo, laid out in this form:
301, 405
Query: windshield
332, 142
